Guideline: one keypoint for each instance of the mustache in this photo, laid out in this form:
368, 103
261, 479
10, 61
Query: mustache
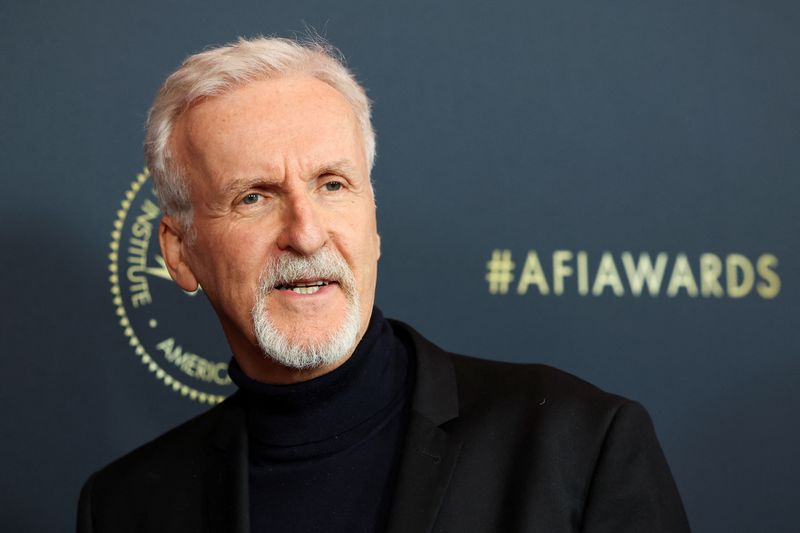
325, 264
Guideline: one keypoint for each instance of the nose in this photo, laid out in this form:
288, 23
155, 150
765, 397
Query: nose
302, 232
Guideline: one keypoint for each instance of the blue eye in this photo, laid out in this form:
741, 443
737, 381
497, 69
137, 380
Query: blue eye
333, 186
250, 198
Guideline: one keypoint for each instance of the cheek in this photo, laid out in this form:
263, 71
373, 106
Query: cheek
368, 261
230, 271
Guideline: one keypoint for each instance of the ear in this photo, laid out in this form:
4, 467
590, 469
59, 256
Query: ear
174, 245
377, 235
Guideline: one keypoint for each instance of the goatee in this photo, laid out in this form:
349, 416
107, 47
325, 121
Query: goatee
295, 351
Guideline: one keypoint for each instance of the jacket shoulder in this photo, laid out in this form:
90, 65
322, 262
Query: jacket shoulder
153, 487
482, 379
160, 485
178, 451
501, 391
548, 399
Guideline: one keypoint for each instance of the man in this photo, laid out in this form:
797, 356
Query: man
261, 154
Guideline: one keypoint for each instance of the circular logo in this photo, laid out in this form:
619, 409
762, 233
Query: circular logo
174, 333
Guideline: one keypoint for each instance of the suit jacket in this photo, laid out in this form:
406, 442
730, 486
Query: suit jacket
490, 447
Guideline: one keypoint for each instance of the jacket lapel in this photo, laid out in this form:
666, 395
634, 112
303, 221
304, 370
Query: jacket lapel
226, 499
429, 454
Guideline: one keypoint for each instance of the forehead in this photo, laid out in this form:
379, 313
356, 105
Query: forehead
298, 119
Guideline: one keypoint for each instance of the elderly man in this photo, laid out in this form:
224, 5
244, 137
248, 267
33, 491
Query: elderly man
261, 154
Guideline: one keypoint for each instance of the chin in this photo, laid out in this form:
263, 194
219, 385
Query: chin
304, 346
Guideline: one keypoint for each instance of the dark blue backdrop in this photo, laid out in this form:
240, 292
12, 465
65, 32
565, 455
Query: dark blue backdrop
599, 127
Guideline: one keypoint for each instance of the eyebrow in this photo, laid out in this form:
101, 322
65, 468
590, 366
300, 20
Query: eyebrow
342, 166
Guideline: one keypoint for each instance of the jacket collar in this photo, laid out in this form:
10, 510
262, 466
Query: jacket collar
225, 481
435, 392
429, 454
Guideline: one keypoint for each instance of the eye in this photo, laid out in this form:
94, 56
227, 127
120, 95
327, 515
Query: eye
333, 186
251, 198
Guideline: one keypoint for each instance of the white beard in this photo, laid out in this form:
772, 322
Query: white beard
294, 352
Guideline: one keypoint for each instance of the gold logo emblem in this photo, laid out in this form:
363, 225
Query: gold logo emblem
175, 334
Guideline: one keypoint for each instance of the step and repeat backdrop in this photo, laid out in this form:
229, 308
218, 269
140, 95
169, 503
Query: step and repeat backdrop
611, 188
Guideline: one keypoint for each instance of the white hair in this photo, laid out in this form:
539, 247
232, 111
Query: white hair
276, 344
219, 70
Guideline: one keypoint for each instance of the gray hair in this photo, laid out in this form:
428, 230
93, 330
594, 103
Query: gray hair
219, 70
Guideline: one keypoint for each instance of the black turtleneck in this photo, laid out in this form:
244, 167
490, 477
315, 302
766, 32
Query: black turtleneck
324, 453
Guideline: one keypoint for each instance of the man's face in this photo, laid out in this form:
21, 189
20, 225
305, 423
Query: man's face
275, 168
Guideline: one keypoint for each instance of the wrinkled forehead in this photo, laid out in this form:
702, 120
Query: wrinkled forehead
297, 117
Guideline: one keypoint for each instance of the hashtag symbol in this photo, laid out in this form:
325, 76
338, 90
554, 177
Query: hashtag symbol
501, 271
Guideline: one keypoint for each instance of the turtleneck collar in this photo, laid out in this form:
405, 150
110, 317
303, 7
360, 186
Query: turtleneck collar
331, 412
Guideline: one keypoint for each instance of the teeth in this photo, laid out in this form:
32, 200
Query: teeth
294, 287
306, 290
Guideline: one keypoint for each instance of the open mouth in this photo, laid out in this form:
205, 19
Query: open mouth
303, 287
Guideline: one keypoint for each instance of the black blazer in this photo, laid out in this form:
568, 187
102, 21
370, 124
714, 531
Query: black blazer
491, 447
